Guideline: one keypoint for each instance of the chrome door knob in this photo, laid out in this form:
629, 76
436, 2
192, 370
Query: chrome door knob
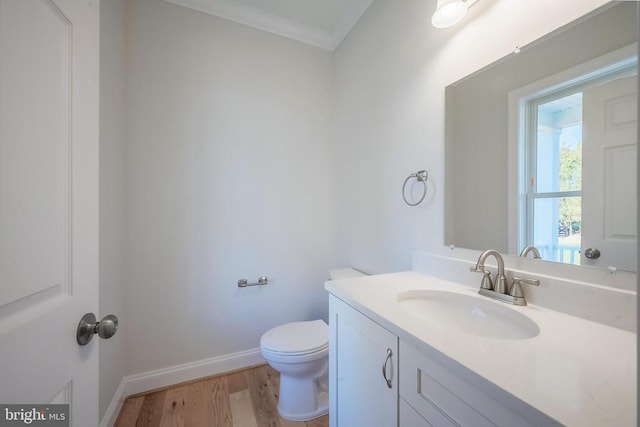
592, 253
88, 327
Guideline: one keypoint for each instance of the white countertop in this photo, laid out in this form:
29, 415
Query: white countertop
579, 372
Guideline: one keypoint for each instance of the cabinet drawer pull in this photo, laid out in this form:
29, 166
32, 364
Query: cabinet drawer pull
384, 367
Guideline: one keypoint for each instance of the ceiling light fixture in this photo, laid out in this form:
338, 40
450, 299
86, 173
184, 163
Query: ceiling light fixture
450, 12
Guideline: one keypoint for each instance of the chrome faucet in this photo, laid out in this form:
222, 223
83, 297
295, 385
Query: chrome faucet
500, 291
531, 249
500, 285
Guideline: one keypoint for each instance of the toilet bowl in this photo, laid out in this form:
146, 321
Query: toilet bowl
299, 351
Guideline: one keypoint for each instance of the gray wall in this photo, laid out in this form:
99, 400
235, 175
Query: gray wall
227, 178
390, 74
112, 181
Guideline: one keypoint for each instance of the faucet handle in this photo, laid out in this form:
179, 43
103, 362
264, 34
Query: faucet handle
516, 287
486, 283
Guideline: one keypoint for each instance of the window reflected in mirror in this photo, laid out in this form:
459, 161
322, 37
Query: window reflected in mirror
554, 199
592, 116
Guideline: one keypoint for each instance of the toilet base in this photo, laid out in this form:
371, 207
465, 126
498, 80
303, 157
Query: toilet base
323, 408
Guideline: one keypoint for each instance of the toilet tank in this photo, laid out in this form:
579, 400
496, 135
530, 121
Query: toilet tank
345, 273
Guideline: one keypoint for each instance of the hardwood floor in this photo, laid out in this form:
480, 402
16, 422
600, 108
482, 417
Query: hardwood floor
246, 398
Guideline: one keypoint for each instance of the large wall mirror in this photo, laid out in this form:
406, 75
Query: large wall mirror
541, 147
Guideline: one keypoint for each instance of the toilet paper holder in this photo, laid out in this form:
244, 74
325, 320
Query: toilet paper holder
243, 283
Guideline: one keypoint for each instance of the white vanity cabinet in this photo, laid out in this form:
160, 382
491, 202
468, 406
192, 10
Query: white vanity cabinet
359, 351
574, 372
424, 387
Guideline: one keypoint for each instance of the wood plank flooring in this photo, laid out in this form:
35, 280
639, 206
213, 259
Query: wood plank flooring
247, 398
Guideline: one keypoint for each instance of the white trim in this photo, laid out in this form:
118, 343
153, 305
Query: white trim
111, 414
349, 20
517, 117
279, 25
516, 132
139, 383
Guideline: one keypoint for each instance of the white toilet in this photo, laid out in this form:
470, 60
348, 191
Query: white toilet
299, 351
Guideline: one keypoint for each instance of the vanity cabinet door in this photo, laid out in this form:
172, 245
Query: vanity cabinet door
363, 370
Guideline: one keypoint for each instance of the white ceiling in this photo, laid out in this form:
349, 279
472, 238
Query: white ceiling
321, 23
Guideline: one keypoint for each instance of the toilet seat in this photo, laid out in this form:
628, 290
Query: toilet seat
296, 339
294, 359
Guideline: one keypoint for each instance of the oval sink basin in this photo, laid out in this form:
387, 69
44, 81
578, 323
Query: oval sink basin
468, 314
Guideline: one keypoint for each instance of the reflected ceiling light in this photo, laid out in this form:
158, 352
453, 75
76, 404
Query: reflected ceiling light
450, 12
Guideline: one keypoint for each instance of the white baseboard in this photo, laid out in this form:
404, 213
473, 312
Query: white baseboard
139, 383
111, 414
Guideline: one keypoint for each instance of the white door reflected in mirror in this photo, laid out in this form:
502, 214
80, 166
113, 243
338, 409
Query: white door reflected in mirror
609, 172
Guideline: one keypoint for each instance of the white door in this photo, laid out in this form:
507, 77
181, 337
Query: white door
609, 174
48, 202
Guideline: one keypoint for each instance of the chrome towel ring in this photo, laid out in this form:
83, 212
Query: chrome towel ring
422, 177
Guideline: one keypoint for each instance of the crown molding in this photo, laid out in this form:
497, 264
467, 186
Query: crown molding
256, 18
349, 20
275, 24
